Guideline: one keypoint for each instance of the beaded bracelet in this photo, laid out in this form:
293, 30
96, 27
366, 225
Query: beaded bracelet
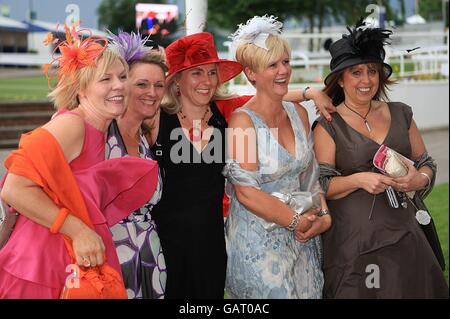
59, 220
293, 224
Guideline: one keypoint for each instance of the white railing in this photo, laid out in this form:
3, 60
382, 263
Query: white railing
24, 59
430, 57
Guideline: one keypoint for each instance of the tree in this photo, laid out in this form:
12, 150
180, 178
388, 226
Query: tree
228, 14
431, 10
120, 14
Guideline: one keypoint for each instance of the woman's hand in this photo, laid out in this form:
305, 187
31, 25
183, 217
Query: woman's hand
412, 181
320, 225
323, 102
374, 183
306, 220
88, 247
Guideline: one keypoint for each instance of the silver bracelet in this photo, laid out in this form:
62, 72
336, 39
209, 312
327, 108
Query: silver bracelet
428, 178
295, 220
305, 99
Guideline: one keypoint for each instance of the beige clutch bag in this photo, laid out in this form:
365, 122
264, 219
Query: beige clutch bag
390, 162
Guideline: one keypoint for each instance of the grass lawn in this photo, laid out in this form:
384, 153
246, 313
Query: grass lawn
437, 204
24, 89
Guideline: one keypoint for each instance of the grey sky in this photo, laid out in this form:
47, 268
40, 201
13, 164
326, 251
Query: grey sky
54, 10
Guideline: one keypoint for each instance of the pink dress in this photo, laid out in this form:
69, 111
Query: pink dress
35, 263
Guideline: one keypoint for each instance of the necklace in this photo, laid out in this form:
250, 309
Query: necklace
195, 132
363, 117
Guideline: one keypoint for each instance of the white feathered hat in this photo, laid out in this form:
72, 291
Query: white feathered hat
255, 31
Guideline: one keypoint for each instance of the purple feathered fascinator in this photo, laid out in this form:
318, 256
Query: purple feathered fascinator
129, 45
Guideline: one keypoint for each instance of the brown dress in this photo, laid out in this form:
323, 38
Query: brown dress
387, 241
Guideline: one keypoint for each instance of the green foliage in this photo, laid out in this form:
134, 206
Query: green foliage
228, 14
437, 204
431, 9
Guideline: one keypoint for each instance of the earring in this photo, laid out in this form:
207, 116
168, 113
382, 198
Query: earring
178, 90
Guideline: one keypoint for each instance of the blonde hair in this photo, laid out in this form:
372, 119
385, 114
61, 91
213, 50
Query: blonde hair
258, 59
171, 102
65, 95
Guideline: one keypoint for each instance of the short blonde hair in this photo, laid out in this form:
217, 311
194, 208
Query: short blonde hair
171, 102
65, 95
256, 58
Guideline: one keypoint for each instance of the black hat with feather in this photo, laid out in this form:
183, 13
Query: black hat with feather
362, 45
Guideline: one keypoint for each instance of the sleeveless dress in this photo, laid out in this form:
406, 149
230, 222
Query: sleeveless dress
40, 272
271, 263
136, 238
373, 250
189, 215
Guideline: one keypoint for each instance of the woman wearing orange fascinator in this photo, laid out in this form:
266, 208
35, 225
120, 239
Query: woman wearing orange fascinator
65, 193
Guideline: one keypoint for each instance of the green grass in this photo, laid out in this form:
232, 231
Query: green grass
24, 89
437, 204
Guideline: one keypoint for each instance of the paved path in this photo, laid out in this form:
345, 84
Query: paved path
7, 73
437, 143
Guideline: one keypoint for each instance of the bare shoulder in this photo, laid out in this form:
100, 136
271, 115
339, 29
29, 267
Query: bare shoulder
240, 120
68, 129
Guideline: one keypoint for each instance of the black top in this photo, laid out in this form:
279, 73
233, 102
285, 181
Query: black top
189, 216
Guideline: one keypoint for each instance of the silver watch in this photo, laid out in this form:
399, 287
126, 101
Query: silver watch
323, 212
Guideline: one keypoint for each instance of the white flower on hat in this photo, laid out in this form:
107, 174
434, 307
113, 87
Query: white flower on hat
255, 31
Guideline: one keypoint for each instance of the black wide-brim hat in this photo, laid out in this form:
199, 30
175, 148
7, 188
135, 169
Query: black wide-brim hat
361, 46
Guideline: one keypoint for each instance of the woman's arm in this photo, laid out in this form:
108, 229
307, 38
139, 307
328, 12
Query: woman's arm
341, 186
32, 202
322, 102
414, 180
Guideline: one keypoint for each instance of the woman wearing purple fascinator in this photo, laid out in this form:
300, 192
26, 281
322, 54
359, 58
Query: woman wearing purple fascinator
136, 237
383, 243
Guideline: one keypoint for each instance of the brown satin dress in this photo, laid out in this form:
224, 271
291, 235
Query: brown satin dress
367, 236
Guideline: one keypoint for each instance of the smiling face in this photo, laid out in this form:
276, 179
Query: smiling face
105, 95
146, 86
274, 78
361, 82
198, 84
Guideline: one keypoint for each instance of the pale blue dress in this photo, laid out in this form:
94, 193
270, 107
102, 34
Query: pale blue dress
266, 261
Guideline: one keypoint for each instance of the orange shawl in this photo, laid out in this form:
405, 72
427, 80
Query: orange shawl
50, 170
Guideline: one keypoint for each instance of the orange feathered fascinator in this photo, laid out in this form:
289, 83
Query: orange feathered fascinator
76, 52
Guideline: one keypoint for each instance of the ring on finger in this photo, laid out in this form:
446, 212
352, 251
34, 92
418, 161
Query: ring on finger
86, 262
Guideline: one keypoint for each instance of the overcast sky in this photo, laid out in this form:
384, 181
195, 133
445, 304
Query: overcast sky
54, 10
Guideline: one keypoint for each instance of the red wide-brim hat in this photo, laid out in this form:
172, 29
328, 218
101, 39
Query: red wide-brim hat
197, 49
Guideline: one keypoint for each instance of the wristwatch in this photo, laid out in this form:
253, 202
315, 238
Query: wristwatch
323, 212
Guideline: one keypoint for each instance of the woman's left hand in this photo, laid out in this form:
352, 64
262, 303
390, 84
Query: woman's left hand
320, 225
322, 102
410, 182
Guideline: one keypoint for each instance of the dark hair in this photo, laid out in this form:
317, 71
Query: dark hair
336, 93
